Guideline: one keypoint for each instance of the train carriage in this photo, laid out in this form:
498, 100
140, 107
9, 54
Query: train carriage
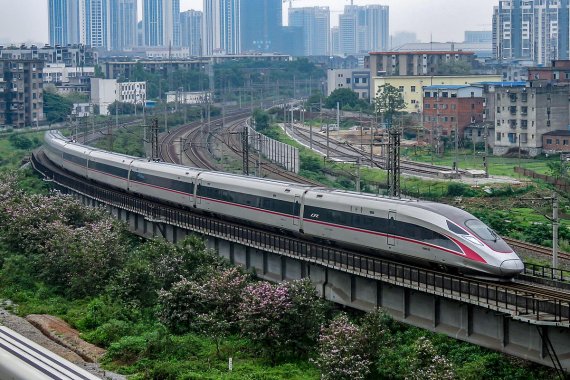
271, 203
174, 183
110, 168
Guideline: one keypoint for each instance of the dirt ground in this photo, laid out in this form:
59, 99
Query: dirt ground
58, 337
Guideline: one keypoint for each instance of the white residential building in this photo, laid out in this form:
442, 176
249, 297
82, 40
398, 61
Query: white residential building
105, 92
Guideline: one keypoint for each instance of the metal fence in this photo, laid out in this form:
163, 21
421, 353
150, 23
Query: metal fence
280, 153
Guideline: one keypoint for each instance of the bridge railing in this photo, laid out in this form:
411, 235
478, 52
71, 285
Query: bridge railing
541, 271
501, 297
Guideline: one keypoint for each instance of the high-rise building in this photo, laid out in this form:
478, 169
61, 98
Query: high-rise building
97, 23
222, 27
261, 25
161, 22
533, 30
123, 24
335, 40
363, 29
315, 23
191, 31
63, 22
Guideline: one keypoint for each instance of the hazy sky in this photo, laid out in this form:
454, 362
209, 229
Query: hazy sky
445, 20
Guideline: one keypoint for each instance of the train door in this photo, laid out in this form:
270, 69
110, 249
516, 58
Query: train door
296, 210
391, 228
196, 195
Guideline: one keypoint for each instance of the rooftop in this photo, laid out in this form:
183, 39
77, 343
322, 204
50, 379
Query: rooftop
562, 132
420, 52
503, 84
447, 87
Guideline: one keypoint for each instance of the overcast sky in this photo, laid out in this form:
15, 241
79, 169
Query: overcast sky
445, 20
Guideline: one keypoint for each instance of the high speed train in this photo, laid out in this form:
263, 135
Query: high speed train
407, 230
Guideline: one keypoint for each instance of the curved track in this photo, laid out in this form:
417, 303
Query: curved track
341, 149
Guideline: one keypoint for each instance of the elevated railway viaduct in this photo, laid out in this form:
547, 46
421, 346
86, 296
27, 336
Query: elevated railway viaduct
530, 322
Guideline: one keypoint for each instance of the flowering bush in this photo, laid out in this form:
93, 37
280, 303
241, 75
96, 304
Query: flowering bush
210, 307
281, 318
427, 364
341, 352
72, 247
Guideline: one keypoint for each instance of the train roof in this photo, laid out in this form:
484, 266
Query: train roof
257, 179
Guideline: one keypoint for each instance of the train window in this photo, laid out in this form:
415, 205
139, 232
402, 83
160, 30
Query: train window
455, 229
482, 230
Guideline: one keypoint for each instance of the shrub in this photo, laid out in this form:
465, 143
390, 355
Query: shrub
280, 319
109, 332
341, 353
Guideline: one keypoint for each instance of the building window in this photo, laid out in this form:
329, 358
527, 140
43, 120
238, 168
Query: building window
347, 80
565, 142
426, 106
445, 94
498, 138
427, 95
453, 106
401, 88
413, 89
557, 141
356, 80
364, 80
549, 141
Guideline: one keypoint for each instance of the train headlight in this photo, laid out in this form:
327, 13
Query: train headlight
472, 239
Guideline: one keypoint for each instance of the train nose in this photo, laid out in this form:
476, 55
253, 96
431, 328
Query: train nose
512, 266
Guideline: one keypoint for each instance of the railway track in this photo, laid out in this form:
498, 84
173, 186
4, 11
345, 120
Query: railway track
198, 147
232, 140
342, 149
534, 248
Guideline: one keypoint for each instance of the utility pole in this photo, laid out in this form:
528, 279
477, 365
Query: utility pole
394, 162
486, 156
358, 174
555, 225
155, 154
456, 159
182, 148
245, 150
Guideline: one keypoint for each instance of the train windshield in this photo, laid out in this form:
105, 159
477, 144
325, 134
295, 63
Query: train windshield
482, 231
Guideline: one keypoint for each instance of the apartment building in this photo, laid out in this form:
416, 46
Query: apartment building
451, 109
409, 63
523, 115
21, 92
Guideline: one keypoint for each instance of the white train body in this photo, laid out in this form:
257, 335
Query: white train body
403, 229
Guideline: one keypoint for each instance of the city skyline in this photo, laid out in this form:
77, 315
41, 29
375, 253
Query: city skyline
440, 20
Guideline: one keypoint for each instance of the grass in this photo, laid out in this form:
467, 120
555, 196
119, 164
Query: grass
499, 166
11, 157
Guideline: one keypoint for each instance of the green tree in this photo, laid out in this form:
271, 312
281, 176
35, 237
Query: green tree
388, 102
56, 108
99, 72
262, 120
343, 96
